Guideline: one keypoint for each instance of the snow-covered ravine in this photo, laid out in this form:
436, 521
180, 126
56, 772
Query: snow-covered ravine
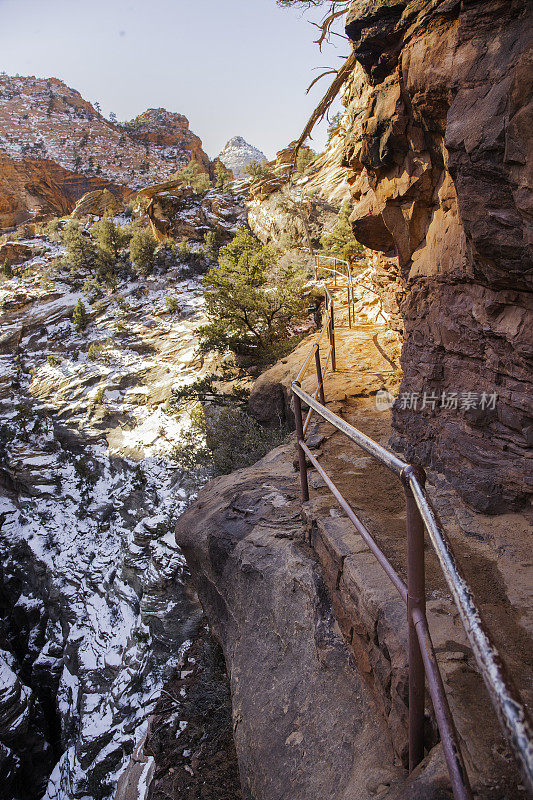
93, 608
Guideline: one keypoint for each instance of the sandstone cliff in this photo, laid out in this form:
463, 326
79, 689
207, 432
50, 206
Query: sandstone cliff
36, 189
434, 149
55, 146
438, 141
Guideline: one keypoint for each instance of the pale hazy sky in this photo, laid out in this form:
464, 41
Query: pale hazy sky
233, 67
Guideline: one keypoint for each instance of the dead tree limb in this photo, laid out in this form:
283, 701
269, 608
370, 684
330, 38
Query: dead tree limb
321, 110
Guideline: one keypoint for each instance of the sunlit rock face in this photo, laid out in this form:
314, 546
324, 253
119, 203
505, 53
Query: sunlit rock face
55, 146
438, 140
93, 605
238, 154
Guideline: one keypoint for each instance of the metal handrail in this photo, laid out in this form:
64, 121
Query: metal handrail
421, 516
351, 283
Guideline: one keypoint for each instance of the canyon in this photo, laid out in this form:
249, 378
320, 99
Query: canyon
257, 653
55, 146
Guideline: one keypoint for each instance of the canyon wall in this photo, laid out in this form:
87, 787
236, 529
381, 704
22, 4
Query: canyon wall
55, 146
437, 138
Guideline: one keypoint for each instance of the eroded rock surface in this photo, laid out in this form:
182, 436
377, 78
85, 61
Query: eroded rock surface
439, 141
93, 606
55, 146
305, 723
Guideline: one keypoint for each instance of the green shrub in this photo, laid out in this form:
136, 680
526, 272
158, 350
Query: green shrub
183, 251
224, 440
142, 250
172, 304
52, 361
305, 158
341, 241
99, 397
7, 269
46, 284
194, 176
251, 300
334, 126
80, 318
258, 169
98, 352
52, 230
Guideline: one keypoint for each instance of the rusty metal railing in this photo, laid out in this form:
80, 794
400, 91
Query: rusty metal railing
341, 269
420, 517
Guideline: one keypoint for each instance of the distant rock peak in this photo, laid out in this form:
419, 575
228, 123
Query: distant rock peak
238, 154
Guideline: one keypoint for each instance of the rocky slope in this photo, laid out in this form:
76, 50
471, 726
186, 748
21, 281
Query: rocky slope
437, 136
237, 154
93, 607
330, 657
55, 146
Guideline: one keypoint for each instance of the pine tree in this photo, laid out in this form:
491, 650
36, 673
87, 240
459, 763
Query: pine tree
80, 318
340, 241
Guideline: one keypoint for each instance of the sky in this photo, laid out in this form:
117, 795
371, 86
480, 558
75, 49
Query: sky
233, 67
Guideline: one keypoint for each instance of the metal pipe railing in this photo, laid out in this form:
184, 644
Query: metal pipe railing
420, 516
350, 282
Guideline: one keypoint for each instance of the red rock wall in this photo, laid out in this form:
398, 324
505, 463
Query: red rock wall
34, 189
61, 142
440, 148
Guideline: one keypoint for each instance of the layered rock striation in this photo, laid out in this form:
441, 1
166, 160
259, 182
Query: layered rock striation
55, 146
437, 138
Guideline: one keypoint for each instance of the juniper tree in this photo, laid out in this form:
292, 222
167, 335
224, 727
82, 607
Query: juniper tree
142, 249
251, 301
110, 237
80, 248
80, 317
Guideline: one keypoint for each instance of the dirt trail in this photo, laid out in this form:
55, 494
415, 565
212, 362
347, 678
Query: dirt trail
493, 552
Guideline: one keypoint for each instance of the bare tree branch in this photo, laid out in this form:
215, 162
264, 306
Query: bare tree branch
331, 15
322, 108
323, 75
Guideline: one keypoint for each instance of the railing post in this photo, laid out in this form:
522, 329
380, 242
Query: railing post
349, 310
416, 599
332, 338
299, 438
320, 376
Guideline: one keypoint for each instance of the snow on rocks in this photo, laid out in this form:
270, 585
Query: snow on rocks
92, 574
238, 154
